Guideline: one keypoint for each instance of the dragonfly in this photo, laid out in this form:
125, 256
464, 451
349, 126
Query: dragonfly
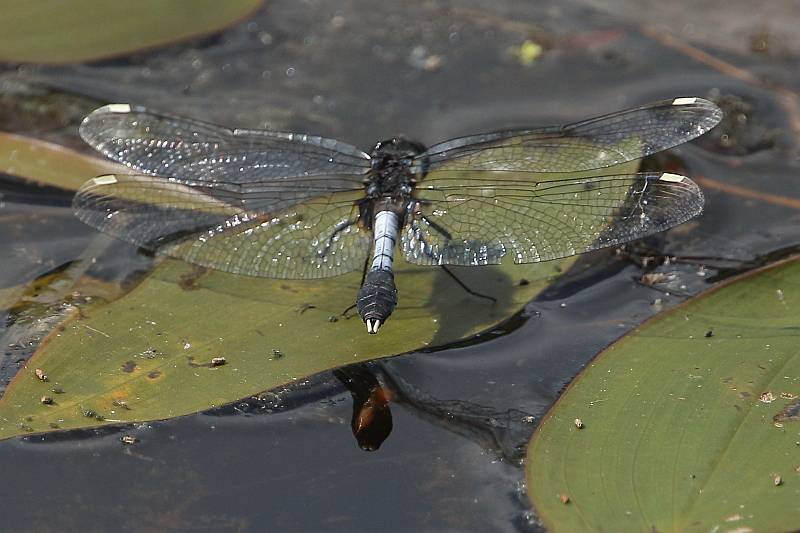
295, 206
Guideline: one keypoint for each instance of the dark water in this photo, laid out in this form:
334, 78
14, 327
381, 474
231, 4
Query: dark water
359, 71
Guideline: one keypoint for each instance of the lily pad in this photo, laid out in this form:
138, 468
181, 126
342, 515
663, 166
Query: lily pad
689, 423
187, 339
47, 163
85, 30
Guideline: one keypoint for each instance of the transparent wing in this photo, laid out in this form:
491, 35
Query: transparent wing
195, 152
313, 239
596, 143
479, 221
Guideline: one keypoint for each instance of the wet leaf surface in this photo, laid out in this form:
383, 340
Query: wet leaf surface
685, 424
187, 339
80, 30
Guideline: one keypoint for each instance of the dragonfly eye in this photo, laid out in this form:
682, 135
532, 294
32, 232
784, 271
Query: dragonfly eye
398, 149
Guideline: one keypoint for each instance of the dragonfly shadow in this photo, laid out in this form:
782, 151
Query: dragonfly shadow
461, 313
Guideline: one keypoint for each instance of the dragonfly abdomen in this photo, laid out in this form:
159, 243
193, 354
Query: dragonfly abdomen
377, 297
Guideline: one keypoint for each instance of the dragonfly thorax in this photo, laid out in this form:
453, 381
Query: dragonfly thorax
392, 174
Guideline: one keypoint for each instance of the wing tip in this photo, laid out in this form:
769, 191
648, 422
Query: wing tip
714, 116
88, 128
693, 194
119, 109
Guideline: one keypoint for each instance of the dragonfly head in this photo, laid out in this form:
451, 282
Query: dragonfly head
395, 149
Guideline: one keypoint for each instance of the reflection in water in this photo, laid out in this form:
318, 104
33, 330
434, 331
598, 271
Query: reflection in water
502, 433
372, 418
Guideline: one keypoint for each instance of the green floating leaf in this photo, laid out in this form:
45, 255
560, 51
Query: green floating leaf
50, 164
187, 339
84, 30
690, 423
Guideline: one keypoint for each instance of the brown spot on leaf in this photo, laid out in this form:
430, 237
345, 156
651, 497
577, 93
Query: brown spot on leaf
128, 366
189, 281
790, 413
154, 374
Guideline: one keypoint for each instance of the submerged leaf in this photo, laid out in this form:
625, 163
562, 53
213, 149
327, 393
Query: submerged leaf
684, 420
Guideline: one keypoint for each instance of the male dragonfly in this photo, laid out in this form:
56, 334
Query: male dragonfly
288, 205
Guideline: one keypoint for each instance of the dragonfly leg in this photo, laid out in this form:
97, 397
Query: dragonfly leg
465, 287
441, 230
346, 311
336, 231
446, 235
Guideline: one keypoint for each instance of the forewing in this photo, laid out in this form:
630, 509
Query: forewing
312, 239
481, 220
596, 143
195, 152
